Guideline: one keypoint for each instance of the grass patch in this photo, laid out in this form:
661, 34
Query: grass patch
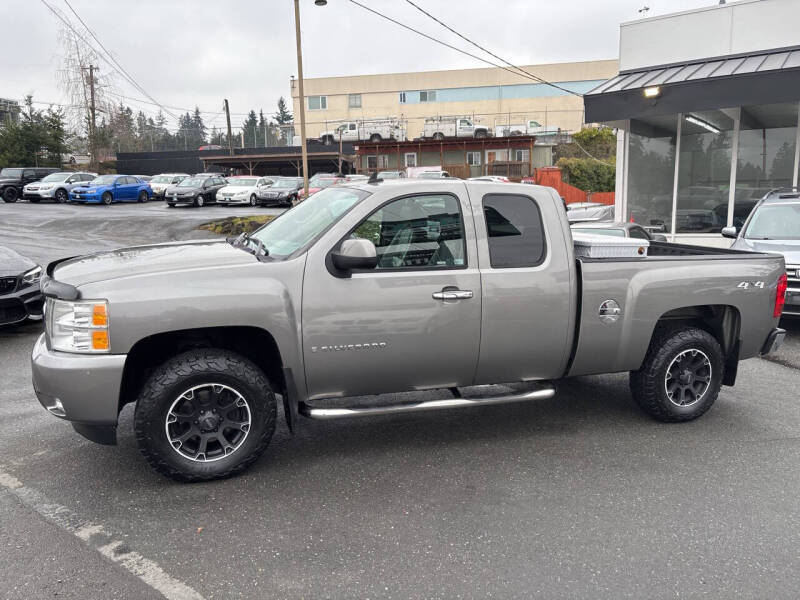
236, 225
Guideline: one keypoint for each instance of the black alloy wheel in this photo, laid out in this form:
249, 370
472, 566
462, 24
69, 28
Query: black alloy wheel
11, 194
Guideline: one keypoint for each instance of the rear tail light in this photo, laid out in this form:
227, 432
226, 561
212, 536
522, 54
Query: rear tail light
780, 296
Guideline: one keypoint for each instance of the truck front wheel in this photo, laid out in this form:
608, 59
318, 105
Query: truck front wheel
204, 414
681, 375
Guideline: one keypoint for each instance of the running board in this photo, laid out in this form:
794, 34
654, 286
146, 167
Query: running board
339, 413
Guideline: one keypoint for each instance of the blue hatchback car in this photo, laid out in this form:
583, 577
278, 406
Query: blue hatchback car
112, 188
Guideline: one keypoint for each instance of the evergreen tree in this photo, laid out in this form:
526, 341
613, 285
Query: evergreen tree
39, 138
250, 130
199, 127
284, 116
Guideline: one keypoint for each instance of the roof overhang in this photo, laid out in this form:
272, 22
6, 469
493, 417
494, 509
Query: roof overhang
725, 82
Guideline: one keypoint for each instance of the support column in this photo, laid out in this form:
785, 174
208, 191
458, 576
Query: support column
675, 178
734, 163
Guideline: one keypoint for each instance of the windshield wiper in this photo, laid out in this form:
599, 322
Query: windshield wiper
244, 240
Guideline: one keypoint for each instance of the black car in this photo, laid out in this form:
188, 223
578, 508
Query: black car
13, 179
20, 296
281, 193
195, 191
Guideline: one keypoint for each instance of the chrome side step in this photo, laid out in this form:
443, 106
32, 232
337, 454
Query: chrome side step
339, 413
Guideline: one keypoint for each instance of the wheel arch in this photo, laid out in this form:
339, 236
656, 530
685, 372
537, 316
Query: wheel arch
254, 343
722, 321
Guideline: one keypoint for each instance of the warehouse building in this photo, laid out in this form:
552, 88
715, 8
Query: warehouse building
494, 96
707, 106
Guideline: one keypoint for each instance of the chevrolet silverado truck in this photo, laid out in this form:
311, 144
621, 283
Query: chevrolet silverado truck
438, 288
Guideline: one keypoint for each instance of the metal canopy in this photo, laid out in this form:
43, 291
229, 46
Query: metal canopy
720, 82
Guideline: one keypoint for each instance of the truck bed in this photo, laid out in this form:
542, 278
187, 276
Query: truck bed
672, 280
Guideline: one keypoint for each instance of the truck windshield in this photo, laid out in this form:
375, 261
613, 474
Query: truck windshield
302, 224
775, 222
11, 173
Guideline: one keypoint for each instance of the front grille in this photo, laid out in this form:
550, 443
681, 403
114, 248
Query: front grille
12, 312
8, 285
792, 276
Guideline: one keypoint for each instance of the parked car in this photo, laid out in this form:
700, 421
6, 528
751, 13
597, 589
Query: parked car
589, 211
56, 186
160, 183
106, 189
145, 178
242, 189
391, 175
195, 191
14, 179
20, 296
210, 174
774, 226
210, 147
320, 182
435, 175
491, 178
283, 192
618, 229
355, 177
370, 289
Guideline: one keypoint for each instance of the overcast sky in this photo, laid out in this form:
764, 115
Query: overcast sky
196, 52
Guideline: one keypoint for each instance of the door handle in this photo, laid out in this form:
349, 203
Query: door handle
452, 294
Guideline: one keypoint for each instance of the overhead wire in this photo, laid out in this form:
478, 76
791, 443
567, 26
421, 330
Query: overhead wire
522, 71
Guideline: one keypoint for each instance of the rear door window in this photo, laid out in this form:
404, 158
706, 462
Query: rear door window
515, 230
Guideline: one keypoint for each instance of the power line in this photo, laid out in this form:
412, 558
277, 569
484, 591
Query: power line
433, 39
501, 59
114, 60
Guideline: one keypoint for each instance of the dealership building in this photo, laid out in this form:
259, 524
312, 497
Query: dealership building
707, 109
494, 96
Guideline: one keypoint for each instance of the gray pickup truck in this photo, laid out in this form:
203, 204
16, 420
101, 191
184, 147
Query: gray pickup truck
381, 287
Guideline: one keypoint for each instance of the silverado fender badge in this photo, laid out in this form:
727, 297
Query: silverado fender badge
341, 347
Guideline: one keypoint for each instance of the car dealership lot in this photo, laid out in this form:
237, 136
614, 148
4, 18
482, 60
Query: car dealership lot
580, 495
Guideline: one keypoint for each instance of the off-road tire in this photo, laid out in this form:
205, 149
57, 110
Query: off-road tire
192, 368
648, 384
11, 195
108, 198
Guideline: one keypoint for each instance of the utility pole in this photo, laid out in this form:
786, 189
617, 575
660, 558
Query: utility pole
228, 117
92, 119
302, 97
340, 151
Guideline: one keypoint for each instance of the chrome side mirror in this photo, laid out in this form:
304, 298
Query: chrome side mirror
355, 254
730, 232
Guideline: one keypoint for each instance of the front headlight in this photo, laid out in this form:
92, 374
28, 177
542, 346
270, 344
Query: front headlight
32, 276
80, 327
46, 186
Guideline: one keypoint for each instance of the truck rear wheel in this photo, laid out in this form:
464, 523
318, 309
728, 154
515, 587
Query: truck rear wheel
204, 414
11, 194
681, 375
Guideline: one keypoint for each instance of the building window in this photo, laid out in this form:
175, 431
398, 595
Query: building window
704, 171
516, 234
522, 155
427, 96
473, 159
651, 170
767, 150
317, 102
411, 159
402, 97
354, 101
380, 161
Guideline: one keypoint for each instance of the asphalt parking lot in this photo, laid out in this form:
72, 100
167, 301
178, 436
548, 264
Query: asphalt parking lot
577, 496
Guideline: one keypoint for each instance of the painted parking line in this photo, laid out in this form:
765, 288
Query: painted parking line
96, 537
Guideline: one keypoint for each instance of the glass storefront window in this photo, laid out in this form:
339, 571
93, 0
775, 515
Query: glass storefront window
767, 142
651, 170
704, 171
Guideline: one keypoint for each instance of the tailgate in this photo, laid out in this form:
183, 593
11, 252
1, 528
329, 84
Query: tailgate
649, 289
